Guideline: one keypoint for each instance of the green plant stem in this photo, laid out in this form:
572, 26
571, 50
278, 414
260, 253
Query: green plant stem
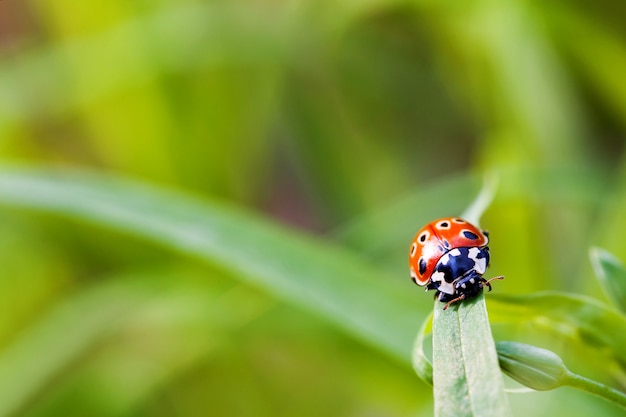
594, 387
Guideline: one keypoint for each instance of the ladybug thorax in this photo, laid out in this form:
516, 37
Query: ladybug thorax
459, 269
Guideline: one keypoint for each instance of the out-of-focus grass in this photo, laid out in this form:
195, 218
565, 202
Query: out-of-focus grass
348, 119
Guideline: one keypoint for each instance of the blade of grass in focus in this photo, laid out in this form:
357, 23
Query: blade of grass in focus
466, 376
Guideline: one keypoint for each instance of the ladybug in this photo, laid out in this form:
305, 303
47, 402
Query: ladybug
450, 255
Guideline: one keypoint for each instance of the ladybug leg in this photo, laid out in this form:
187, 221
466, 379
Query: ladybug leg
459, 298
487, 283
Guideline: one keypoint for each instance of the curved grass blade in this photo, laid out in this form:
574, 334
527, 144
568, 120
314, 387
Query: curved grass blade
612, 276
308, 272
488, 191
467, 378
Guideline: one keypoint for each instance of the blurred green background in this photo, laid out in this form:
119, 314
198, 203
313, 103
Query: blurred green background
353, 122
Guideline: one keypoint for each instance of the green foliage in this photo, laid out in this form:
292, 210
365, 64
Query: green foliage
253, 249
612, 275
466, 377
166, 151
542, 369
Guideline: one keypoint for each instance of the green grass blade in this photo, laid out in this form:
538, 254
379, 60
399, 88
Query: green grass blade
421, 364
311, 273
466, 375
611, 274
475, 211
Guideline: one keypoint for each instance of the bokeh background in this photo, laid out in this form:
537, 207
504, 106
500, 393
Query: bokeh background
322, 116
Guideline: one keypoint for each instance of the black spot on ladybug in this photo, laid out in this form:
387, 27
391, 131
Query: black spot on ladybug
469, 235
413, 249
440, 248
446, 244
423, 237
443, 225
459, 221
422, 265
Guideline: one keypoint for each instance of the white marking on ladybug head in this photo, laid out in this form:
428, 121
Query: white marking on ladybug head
455, 252
445, 259
480, 264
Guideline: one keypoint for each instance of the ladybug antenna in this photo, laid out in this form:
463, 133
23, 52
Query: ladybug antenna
459, 298
487, 283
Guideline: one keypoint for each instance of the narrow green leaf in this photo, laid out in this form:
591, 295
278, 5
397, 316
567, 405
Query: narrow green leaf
474, 212
308, 272
467, 378
611, 274
421, 364
466, 375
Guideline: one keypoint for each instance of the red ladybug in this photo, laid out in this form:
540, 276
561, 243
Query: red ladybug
450, 255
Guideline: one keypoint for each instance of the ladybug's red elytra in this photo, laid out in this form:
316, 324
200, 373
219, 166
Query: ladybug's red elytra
450, 255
